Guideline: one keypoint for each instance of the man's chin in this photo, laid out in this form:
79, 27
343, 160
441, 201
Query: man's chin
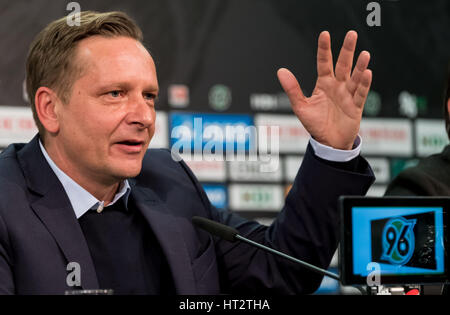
124, 172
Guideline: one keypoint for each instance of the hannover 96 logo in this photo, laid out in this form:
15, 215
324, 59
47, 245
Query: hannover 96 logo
398, 240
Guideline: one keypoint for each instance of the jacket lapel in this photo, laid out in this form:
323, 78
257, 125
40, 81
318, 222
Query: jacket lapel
53, 207
165, 226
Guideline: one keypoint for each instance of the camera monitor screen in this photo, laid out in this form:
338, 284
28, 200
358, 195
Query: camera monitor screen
394, 240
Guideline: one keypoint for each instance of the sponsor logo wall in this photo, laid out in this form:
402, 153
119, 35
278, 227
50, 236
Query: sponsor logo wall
390, 145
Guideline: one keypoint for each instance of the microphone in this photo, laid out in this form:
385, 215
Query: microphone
232, 235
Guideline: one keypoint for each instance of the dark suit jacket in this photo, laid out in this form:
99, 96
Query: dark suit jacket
431, 177
40, 235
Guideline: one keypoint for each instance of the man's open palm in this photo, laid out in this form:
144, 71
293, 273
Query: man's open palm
332, 114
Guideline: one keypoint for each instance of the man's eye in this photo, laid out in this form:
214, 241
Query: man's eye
114, 93
149, 96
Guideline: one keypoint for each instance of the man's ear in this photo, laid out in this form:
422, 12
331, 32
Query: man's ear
46, 102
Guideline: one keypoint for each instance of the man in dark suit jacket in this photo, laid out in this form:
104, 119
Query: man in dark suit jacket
84, 205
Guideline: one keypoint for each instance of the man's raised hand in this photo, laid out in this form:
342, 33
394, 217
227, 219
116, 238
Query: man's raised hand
332, 114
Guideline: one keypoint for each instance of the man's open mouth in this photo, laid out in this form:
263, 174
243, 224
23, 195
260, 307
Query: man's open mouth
130, 146
131, 143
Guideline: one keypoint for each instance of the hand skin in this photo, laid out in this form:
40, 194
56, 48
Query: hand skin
332, 114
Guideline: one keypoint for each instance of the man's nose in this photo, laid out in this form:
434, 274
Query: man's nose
140, 112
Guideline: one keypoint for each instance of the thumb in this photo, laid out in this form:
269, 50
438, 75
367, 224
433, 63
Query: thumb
291, 86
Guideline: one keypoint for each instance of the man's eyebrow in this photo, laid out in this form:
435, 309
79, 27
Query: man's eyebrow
151, 88
127, 86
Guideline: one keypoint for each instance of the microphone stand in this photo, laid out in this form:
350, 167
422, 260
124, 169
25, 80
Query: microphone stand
303, 263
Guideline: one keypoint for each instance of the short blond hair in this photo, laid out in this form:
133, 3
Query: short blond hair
50, 59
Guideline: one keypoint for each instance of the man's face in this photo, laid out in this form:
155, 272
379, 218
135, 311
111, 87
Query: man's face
108, 123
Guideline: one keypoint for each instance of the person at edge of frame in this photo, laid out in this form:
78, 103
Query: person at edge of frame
430, 177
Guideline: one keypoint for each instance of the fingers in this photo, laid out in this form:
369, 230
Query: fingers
291, 86
363, 88
324, 55
361, 66
345, 59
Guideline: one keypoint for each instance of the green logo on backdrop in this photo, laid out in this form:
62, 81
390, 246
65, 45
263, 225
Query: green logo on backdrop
220, 97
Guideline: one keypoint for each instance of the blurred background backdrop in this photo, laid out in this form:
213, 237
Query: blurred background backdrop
217, 60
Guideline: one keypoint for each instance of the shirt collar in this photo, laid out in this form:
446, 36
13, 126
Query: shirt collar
82, 200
